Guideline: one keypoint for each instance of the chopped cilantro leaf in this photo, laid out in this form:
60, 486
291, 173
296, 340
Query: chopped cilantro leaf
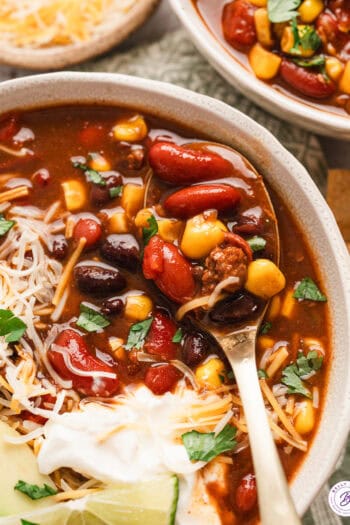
34, 491
90, 319
5, 226
305, 37
138, 333
282, 10
151, 230
222, 378
11, 327
206, 446
26, 522
115, 192
262, 374
317, 61
177, 336
92, 175
257, 243
307, 289
265, 328
292, 375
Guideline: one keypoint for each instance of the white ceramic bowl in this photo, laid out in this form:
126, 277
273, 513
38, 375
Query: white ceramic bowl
114, 31
290, 108
286, 175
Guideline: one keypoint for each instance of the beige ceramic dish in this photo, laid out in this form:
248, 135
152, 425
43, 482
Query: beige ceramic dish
285, 174
292, 109
57, 57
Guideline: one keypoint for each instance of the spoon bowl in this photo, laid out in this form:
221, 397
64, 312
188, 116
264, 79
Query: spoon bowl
238, 342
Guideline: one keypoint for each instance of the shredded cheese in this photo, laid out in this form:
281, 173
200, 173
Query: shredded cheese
45, 23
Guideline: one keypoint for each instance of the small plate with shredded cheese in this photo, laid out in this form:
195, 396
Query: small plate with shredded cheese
52, 34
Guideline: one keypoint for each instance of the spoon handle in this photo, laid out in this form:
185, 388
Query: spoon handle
275, 502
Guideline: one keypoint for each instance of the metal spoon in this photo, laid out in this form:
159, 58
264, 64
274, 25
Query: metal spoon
238, 343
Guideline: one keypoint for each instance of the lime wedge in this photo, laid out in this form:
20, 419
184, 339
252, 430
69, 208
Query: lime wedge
149, 503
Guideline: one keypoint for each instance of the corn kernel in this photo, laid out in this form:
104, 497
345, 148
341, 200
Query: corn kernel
142, 216
201, 235
274, 308
287, 43
344, 83
259, 3
74, 194
169, 229
263, 27
264, 278
132, 199
305, 418
265, 342
334, 68
117, 348
138, 307
310, 9
288, 304
98, 163
264, 63
208, 374
131, 130
118, 223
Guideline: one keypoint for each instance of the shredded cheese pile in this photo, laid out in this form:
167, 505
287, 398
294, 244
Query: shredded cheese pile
44, 23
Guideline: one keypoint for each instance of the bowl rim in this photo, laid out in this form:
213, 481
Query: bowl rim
171, 98
57, 57
277, 102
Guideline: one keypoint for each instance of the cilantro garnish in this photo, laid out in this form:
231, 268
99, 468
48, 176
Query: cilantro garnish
256, 243
262, 374
265, 328
305, 37
26, 522
5, 225
138, 333
92, 175
317, 61
282, 10
177, 336
292, 375
116, 191
206, 446
307, 289
90, 319
11, 327
151, 230
34, 491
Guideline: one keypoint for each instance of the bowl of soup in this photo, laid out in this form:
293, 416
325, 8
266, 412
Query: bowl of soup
294, 61
125, 217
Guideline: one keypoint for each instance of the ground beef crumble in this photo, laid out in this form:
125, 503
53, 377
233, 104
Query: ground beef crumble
223, 262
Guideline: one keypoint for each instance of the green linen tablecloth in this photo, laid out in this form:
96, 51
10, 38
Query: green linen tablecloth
174, 59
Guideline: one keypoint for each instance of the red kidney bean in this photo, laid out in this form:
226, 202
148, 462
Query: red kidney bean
195, 349
307, 83
159, 338
98, 279
250, 222
238, 24
99, 195
81, 358
196, 199
236, 240
171, 272
121, 249
89, 229
331, 27
246, 494
184, 165
161, 378
235, 309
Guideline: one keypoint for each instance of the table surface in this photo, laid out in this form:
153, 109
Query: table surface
337, 152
